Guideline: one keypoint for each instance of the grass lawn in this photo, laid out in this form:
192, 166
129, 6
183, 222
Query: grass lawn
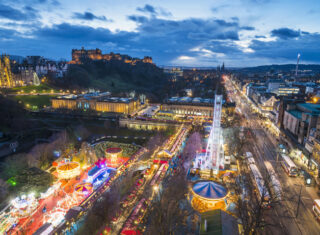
39, 89
34, 101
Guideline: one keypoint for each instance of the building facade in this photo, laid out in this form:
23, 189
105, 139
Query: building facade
300, 119
99, 103
316, 153
196, 109
146, 125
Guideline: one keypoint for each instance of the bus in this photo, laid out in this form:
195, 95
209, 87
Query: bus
241, 133
250, 158
289, 166
316, 209
275, 184
261, 189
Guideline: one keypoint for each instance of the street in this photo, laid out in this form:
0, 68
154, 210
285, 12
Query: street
263, 145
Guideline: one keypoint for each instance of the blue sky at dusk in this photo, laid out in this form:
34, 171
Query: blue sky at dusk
173, 32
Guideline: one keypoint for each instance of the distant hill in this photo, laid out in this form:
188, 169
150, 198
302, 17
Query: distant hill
283, 68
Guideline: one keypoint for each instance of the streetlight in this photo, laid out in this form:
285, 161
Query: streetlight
299, 200
281, 150
156, 188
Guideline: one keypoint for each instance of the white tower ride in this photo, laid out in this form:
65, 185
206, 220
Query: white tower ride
212, 159
298, 58
213, 146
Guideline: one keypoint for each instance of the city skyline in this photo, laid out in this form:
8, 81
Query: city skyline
241, 33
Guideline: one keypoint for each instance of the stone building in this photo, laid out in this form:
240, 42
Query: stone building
96, 54
194, 106
299, 119
146, 125
100, 102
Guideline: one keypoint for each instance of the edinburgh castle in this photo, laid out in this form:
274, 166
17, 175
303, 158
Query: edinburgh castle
78, 56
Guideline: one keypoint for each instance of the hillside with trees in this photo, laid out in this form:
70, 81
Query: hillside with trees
115, 76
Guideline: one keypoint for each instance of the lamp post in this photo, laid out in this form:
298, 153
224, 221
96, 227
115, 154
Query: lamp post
299, 200
281, 150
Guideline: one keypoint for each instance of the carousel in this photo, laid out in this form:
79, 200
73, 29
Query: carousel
113, 153
83, 189
68, 170
208, 195
24, 205
114, 157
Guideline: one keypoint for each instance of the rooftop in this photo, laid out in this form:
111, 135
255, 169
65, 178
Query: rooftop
99, 96
190, 100
209, 189
296, 113
218, 222
310, 107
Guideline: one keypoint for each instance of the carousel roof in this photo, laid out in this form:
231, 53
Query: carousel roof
68, 166
209, 189
83, 187
113, 150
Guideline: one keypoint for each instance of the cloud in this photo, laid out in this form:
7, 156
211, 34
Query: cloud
138, 19
218, 8
147, 8
88, 16
249, 28
82, 34
285, 33
192, 29
55, 2
153, 10
257, 1
286, 50
163, 39
10, 13
37, 2
192, 41
185, 57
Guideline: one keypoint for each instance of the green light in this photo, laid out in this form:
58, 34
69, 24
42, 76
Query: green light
12, 181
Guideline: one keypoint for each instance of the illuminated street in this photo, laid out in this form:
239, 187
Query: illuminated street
264, 145
159, 117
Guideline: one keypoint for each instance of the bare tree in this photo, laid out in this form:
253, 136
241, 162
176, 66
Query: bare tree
41, 155
87, 154
235, 143
253, 205
193, 146
3, 189
154, 142
171, 213
101, 213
